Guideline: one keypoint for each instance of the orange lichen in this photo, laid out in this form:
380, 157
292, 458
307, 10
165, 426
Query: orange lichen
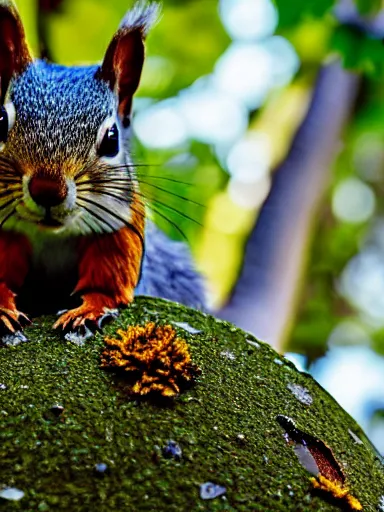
153, 358
337, 491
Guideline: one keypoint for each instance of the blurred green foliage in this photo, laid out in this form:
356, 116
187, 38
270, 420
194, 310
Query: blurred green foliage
359, 51
293, 13
368, 6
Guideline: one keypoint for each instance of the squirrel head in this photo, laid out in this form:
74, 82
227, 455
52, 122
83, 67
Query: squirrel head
64, 160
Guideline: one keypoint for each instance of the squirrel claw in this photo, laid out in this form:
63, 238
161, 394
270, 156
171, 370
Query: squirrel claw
12, 321
24, 320
85, 319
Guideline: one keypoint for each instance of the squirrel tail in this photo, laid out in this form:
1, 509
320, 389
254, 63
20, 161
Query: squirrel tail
169, 272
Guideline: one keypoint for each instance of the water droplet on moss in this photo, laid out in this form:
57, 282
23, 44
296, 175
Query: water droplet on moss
355, 437
187, 327
302, 394
11, 494
101, 468
253, 343
228, 354
172, 450
209, 491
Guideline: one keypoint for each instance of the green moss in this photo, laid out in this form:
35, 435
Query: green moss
52, 459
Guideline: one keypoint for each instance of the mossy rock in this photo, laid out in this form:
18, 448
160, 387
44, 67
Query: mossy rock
225, 425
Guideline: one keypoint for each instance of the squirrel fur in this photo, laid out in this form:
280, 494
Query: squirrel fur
73, 228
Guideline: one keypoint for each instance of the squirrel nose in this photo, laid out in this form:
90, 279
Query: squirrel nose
47, 191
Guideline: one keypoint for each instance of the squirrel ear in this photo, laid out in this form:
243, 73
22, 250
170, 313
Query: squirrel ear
14, 53
124, 59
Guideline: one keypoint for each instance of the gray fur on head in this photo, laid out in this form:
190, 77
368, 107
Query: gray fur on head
59, 111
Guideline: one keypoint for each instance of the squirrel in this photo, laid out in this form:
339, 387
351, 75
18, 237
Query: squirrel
73, 227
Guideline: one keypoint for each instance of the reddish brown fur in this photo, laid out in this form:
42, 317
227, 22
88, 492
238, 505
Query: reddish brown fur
109, 268
15, 252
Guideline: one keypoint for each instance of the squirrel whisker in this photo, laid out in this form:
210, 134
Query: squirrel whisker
94, 215
118, 177
114, 183
132, 167
173, 224
95, 168
7, 217
89, 186
88, 224
9, 203
9, 168
164, 217
172, 193
113, 187
9, 176
10, 180
111, 213
165, 205
9, 191
12, 212
103, 192
148, 199
165, 178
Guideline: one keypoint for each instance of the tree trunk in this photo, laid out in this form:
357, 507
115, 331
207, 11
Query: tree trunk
265, 298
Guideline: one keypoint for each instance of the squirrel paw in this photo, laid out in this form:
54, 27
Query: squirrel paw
86, 317
12, 321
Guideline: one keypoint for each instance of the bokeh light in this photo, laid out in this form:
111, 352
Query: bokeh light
285, 60
249, 195
250, 158
212, 116
248, 19
245, 72
362, 283
353, 201
161, 126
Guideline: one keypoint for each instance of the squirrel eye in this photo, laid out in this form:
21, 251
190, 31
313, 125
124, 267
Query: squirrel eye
4, 125
110, 144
